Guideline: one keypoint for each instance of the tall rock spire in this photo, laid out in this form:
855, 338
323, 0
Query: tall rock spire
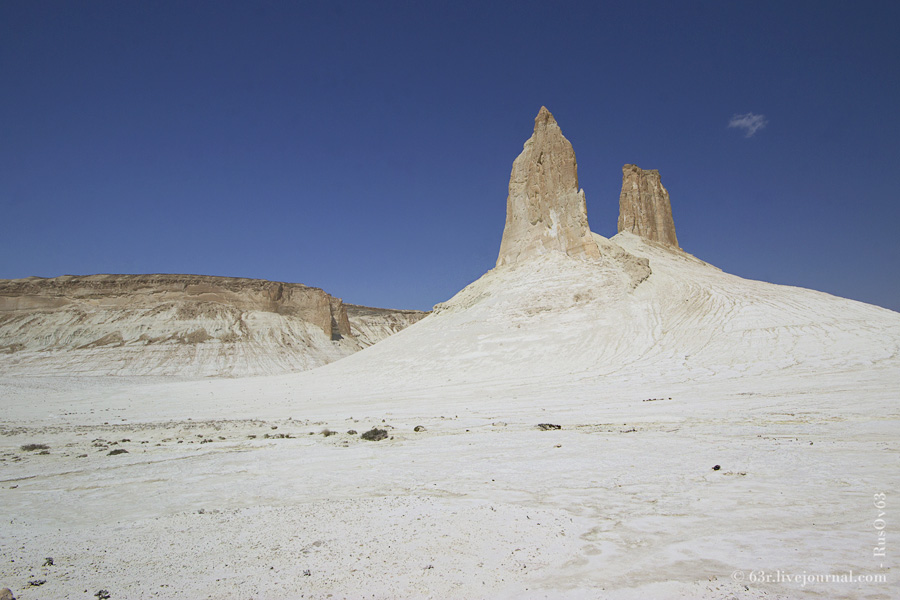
545, 210
644, 207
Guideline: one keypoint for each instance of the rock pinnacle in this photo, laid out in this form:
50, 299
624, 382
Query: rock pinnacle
644, 207
545, 210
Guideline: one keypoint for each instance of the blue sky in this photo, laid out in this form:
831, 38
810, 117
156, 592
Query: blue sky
365, 148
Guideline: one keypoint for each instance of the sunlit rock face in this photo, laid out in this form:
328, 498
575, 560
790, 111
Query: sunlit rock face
644, 207
545, 210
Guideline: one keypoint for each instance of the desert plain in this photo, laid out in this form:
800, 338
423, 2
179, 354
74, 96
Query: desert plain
594, 418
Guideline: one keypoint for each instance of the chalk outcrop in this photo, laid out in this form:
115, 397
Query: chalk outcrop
545, 209
370, 325
644, 207
180, 325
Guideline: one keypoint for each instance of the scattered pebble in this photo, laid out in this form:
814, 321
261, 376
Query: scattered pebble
33, 447
374, 435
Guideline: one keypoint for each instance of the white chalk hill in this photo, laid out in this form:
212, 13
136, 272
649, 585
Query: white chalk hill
557, 319
557, 310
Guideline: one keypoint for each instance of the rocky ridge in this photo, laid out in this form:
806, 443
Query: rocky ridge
180, 325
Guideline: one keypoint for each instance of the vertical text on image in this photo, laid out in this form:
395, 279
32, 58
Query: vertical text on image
880, 549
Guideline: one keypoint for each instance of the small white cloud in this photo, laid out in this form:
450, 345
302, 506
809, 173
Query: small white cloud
749, 122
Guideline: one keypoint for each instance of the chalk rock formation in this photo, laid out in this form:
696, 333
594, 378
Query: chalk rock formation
644, 207
545, 210
190, 291
369, 325
179, 325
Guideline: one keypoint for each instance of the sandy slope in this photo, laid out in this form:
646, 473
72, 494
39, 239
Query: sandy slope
793, 392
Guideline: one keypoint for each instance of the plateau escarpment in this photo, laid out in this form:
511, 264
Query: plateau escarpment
369, 325
189, 325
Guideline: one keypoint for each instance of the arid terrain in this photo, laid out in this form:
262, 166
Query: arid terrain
593, 418
180, 326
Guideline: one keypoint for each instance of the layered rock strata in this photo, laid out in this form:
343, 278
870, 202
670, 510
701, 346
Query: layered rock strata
178, 325
192, 292
369, 325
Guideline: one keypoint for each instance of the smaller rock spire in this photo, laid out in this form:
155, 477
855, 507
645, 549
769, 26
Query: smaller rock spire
644, 206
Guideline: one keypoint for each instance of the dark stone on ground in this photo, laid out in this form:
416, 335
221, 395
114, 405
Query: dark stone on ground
374, 435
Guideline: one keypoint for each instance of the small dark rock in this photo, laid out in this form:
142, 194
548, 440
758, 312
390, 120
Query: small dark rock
48, 562
374, 435
717, 467
102, 595
117, 451
33, 447
37, 582
418, 428
351, 432
548, 426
